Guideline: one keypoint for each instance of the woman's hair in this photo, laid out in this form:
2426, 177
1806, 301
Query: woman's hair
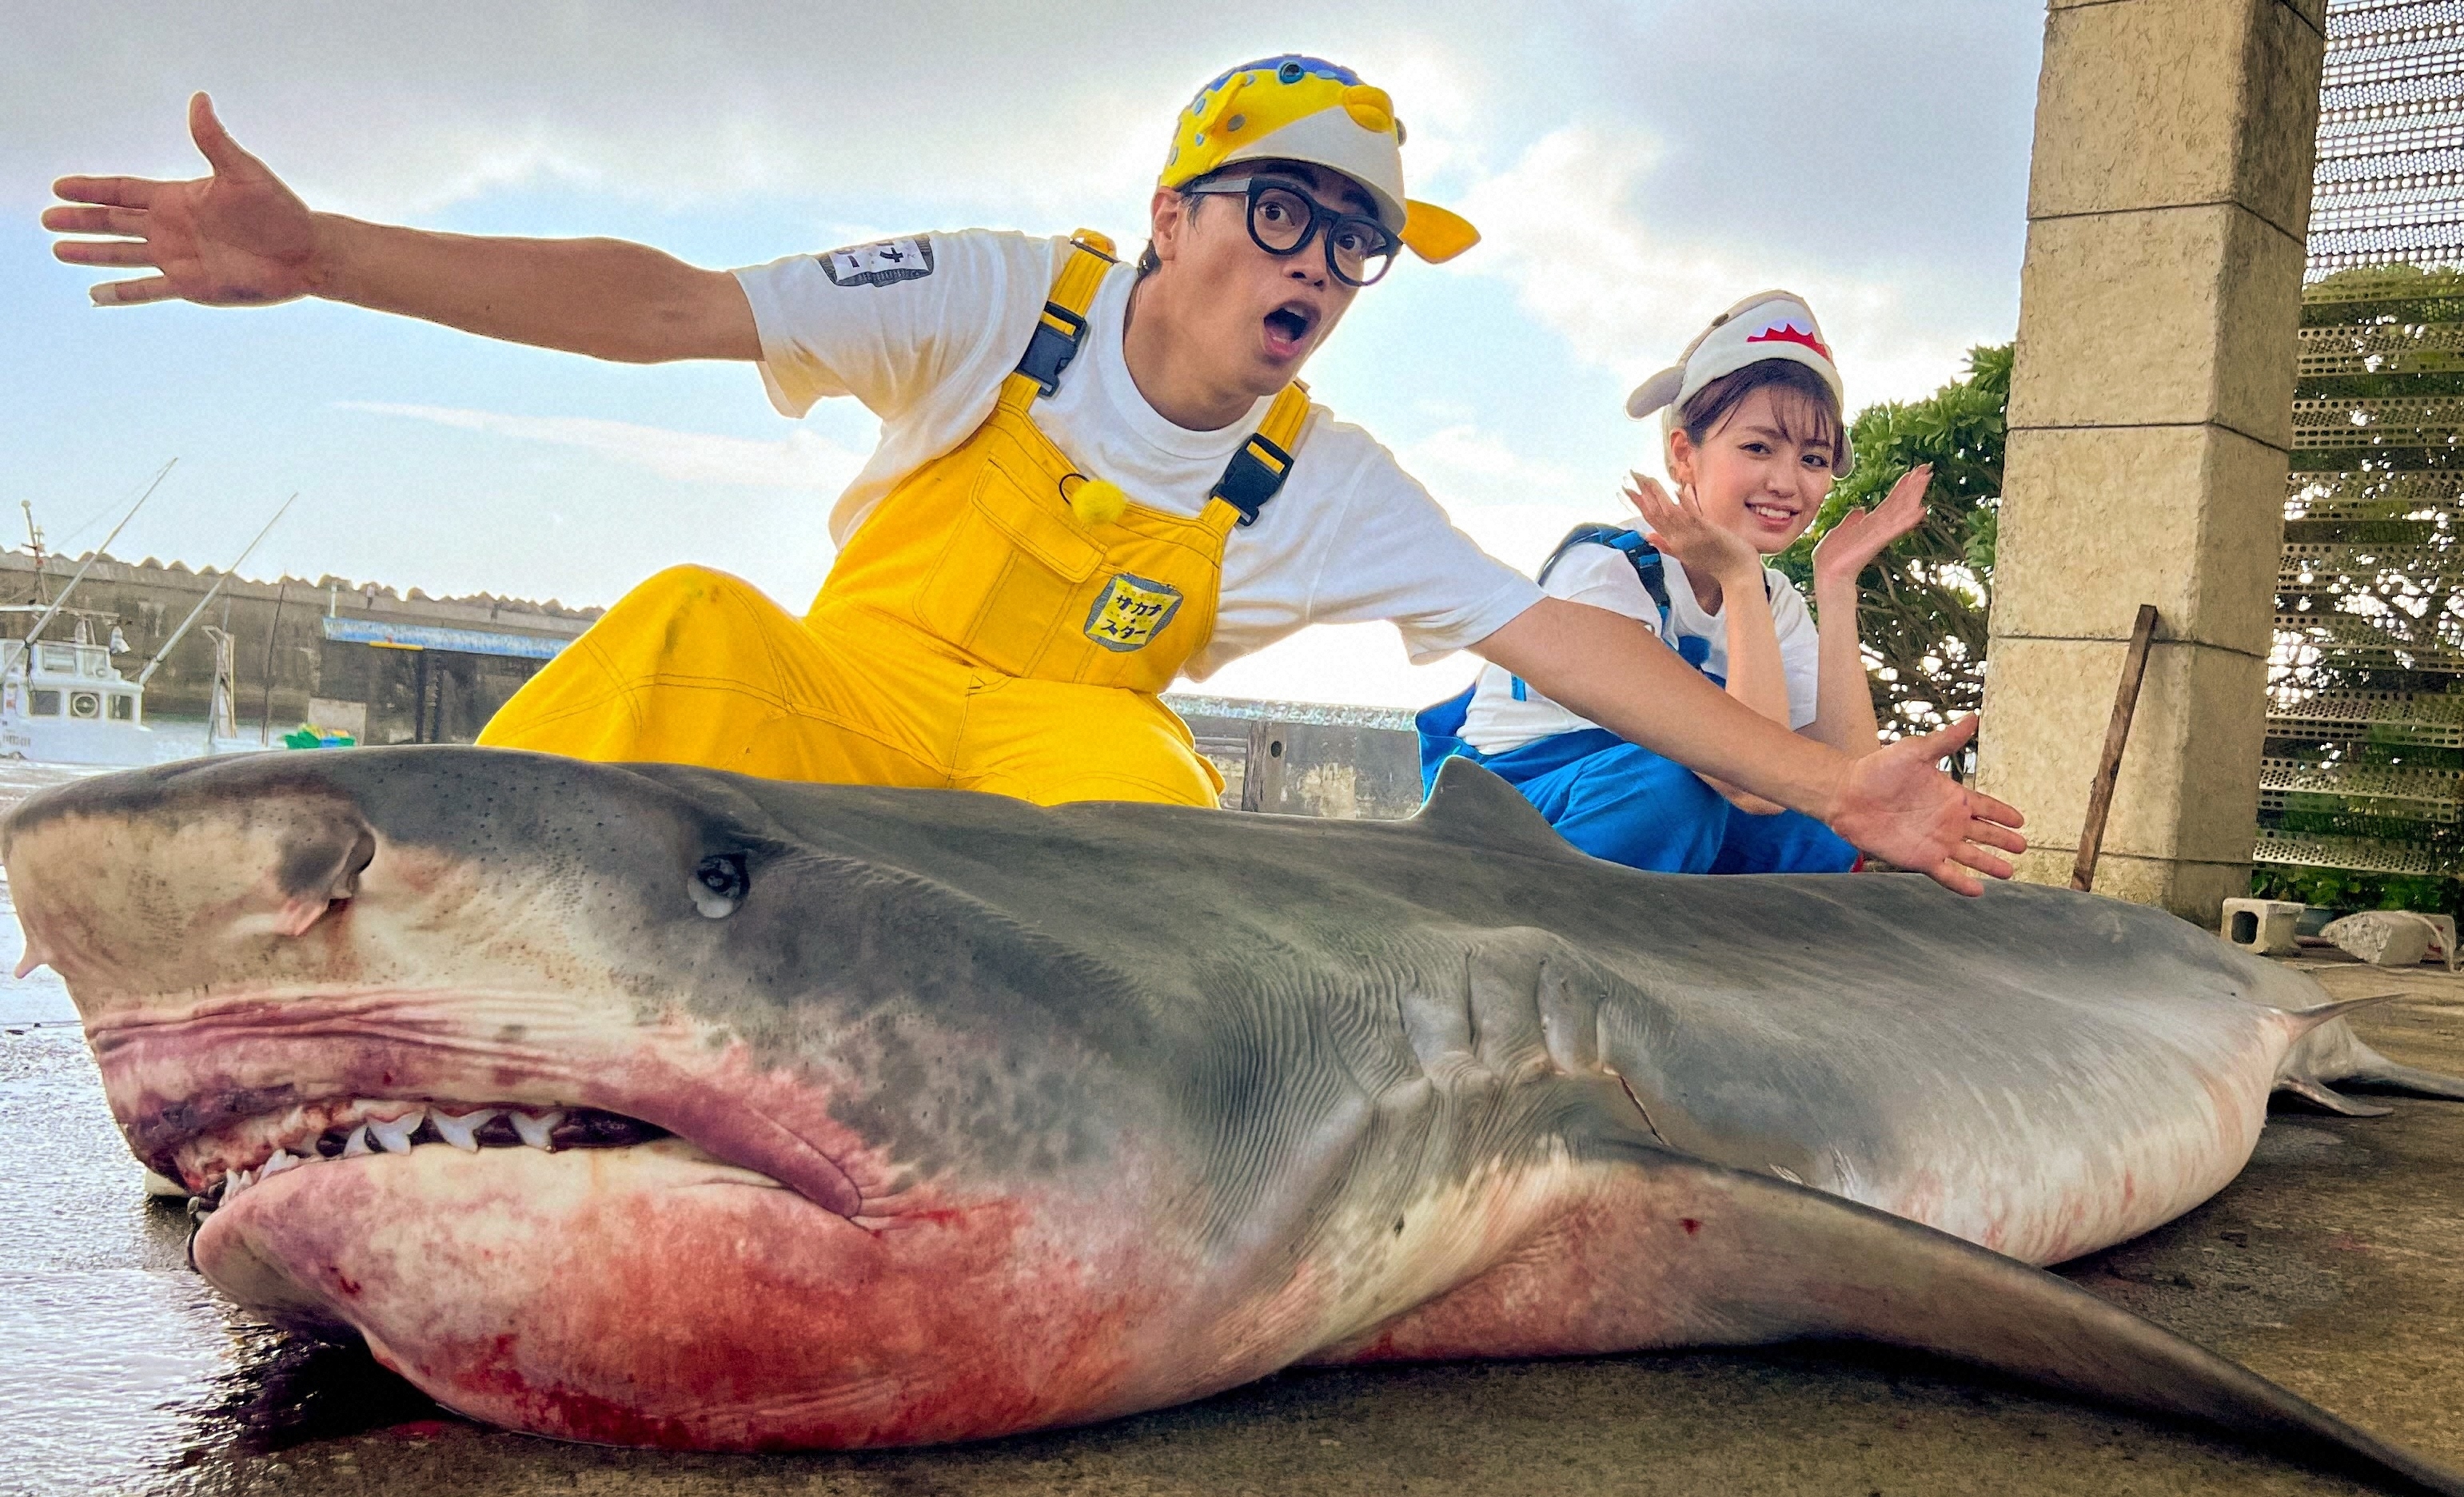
1810, 416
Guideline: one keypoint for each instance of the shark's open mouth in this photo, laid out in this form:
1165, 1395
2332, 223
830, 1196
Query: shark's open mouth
218, 1166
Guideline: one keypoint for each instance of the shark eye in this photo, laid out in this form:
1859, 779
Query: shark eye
719, 884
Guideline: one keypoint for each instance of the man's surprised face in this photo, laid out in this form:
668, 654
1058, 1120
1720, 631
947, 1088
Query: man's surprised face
1256, 316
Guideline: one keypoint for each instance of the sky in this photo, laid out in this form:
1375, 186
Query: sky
1635, 167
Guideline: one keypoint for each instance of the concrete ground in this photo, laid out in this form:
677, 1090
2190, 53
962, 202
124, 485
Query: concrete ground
2333, 1266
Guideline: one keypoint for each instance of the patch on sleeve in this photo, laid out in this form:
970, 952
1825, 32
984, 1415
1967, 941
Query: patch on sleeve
885, 263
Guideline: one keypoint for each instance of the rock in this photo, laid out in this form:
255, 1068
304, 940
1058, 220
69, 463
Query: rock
2384, 937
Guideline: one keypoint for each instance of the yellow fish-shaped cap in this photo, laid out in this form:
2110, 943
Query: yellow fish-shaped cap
1305, 109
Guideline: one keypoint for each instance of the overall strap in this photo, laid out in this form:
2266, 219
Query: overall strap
1257, 471
1649, 567
1062, 326
1633, 544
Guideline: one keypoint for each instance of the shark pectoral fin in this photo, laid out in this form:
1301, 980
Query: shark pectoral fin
2321, 1095
1664, 1249
1754, 1260
1475, 806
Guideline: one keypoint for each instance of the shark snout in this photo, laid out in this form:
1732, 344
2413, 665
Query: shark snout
130, 890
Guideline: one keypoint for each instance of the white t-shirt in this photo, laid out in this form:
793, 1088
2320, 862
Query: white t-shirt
1602, 577
923, 330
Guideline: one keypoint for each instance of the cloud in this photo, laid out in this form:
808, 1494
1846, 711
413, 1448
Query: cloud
402, 111
804, 459
1628, 294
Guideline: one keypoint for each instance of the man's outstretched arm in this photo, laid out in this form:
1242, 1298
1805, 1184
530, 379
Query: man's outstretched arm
1894, 803
240, 238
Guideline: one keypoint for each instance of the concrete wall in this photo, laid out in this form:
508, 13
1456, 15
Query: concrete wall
1302, 760
2150, 420
149, 600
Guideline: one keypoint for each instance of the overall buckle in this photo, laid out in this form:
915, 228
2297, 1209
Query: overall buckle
1255, 475
1049, 351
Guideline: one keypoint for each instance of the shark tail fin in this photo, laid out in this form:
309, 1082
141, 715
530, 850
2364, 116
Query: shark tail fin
2305, 1020
1475, 806
2327, 1099
2323, 1051
2411, 1080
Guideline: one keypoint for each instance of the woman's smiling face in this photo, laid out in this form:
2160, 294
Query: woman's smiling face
1762, 469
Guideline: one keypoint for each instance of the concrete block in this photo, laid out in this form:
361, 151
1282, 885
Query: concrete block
2157, 103
2188, 786
339, 716
2384, 937
2149, 318
2263, 927
2096, 522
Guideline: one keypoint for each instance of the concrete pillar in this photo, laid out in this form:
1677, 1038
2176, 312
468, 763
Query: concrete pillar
2150, 418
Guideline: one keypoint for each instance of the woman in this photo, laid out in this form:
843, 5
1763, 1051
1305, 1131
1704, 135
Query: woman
1753, 436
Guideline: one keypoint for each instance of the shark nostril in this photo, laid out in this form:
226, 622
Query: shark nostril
719, 884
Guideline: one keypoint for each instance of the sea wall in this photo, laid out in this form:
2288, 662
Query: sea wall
278, 645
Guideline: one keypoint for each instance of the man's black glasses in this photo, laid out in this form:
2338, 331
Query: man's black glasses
1283, 220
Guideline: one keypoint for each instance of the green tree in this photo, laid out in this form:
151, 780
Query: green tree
1922, 604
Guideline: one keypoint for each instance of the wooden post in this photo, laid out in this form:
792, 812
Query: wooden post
2117, 734
265, 706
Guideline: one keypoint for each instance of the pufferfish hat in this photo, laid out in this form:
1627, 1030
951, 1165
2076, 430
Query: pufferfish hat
1305, 109
1769, 325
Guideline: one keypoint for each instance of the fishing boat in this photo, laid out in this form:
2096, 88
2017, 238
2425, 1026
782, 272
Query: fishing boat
64, 702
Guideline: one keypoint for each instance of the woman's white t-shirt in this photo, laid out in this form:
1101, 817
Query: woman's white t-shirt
923, 330
1602, 577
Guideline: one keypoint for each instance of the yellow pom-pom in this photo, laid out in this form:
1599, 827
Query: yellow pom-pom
1098, 501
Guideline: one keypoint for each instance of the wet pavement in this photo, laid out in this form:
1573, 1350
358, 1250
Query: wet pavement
2333, 1266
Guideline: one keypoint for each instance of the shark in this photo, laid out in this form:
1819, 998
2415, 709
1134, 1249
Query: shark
657, 1106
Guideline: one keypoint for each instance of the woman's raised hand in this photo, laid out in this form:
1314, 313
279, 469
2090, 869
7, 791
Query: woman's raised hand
1850, 545
237, 237
1678, 528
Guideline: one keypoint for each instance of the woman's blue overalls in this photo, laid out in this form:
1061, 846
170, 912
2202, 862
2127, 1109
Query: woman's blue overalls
1621, 802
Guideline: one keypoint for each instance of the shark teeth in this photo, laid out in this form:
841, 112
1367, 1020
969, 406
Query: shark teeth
392, 1135
361, 1132
535, 1131
458, 1131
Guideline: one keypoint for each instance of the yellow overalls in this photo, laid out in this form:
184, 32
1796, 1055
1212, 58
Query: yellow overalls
978, 632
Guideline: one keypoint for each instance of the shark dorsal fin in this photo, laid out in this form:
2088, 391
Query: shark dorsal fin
1473, 806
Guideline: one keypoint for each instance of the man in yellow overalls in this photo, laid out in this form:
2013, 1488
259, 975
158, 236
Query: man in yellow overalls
1092, 479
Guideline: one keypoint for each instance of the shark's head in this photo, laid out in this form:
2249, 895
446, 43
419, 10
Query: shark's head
596, 1101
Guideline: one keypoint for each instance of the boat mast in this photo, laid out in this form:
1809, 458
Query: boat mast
164, 654
26, 643
35, 544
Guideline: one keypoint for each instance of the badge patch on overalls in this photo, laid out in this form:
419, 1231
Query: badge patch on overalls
883, 264
1130, 611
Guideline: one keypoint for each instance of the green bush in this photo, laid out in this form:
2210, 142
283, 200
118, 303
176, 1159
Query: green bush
2345, 889
1922, 604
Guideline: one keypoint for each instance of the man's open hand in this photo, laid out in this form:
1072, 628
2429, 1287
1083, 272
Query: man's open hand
1897, 804
237, 237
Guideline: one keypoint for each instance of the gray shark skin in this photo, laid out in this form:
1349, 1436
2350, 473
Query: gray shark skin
838, 1116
